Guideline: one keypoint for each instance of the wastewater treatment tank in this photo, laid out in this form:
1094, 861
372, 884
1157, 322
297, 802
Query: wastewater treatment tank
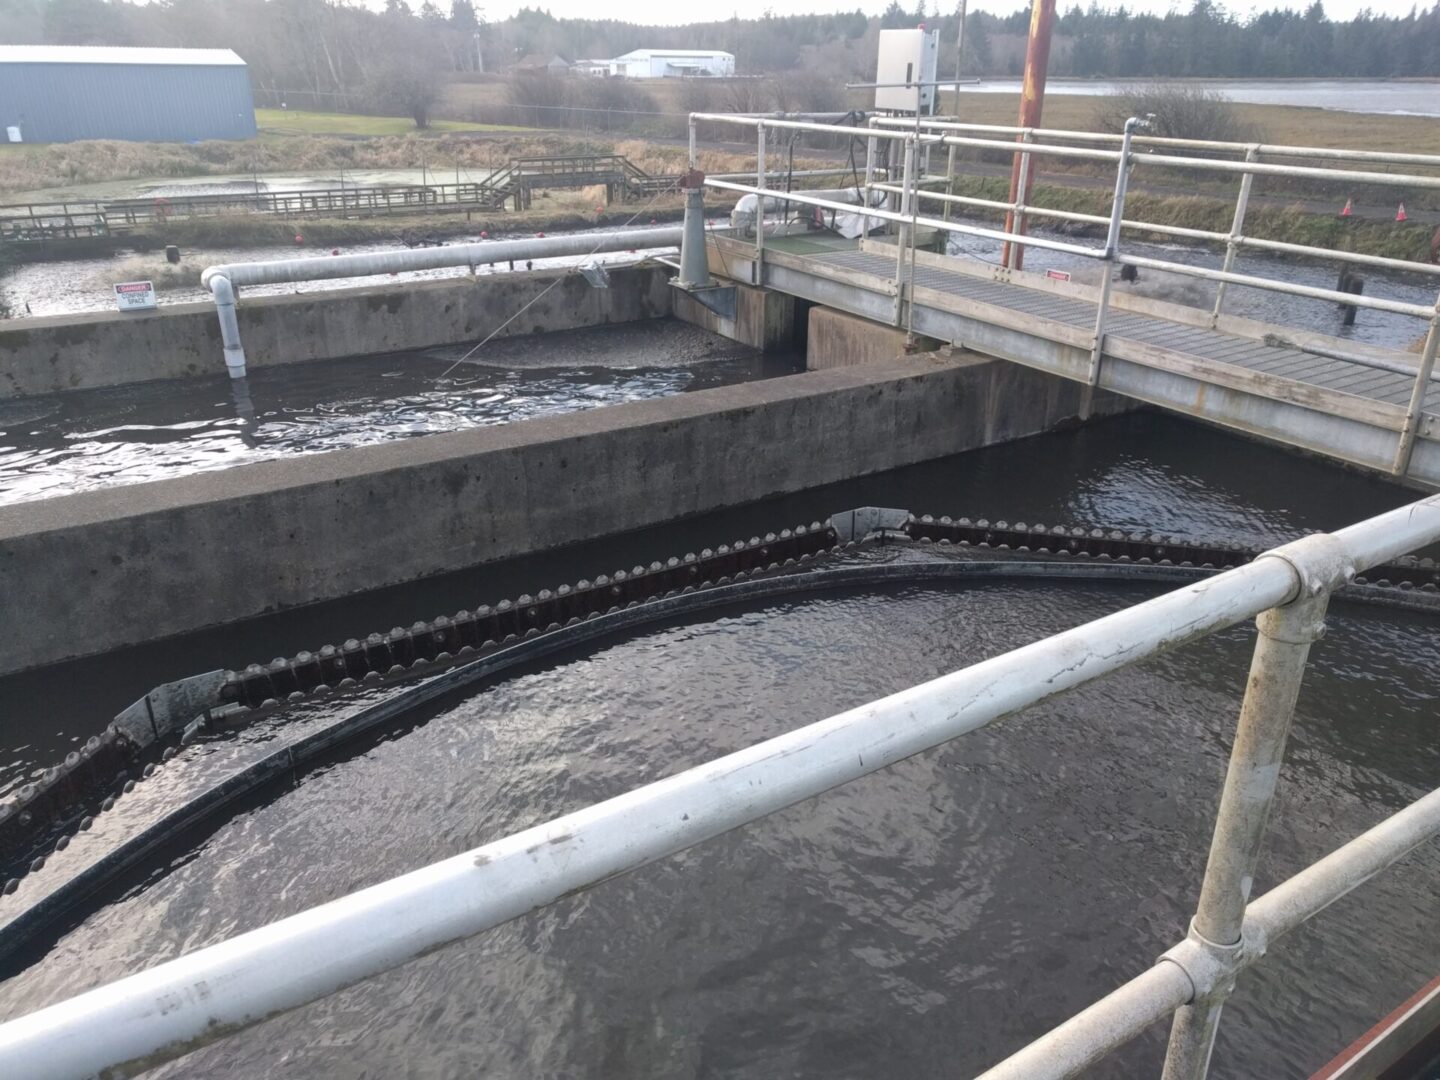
927, 919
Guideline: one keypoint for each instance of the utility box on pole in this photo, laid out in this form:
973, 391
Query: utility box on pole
907, 58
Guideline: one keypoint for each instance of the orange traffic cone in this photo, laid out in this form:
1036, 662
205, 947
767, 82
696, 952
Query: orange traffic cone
1400, 214
1349, 208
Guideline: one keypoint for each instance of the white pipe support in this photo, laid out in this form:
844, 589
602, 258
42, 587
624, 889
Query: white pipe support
223, 292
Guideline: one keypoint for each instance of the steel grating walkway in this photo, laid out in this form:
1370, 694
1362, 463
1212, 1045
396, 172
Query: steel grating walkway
1340, 376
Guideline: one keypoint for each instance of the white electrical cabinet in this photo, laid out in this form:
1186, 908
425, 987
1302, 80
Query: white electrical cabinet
907, 57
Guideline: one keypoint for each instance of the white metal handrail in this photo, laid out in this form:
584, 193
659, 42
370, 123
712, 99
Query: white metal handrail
173, 1008
1134, 225
1379, 157
1398, 307
916, 134
927, 136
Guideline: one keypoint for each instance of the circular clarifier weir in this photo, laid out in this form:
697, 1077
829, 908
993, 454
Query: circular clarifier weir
926, 920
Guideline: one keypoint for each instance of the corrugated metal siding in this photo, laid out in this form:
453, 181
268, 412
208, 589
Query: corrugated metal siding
140, 103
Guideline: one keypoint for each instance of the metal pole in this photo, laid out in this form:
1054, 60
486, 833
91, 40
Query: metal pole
1405, 445
1012, 255
907, 198
910, 309
869, 180
1237, 227
692, 160
1032, 106
759, 204
1112, 248
949, 183
959, 58
1283, 645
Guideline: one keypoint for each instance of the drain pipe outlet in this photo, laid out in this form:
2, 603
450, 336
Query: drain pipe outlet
224, 294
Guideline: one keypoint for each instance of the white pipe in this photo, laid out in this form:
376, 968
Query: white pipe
397, 261
224, 293
1128, 1010
179, 1005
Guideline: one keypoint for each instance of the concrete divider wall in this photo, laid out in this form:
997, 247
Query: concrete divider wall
87, 573
55, 353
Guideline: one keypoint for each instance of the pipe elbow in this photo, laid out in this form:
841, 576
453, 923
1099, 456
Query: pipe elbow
220, 287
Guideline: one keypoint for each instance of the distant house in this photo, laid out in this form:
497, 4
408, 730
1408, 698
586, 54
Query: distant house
543, 64
673, 63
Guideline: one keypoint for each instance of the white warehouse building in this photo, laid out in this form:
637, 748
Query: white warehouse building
673, 63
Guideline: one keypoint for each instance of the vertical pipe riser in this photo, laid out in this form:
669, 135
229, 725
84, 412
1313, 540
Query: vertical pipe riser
694, 266
234, 350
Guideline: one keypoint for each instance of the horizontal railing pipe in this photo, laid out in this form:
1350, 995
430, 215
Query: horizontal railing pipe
907, 219
1256, 243
1379, 157
1102, 1028
1068, 215
1312, 890
1236, 168
1398, 307
1377, 303
1124, 1013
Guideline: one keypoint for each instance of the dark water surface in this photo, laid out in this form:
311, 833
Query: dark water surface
922, 922
1142, 471
87, 439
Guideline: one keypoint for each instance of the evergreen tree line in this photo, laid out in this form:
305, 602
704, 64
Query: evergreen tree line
331, 49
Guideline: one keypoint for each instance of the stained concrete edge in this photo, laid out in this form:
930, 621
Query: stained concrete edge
302, 470
152, 561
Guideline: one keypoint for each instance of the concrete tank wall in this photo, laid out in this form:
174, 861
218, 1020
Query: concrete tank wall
91, 572
54, 353
837, 339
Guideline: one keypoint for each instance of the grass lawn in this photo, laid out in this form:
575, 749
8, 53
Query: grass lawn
283, 122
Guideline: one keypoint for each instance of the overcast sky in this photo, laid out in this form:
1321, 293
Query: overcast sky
669, 13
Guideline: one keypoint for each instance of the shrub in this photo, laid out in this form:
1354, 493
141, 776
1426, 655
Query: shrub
1181, 111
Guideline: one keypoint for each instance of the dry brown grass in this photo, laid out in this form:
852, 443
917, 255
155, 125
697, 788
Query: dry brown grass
35, 168
1285, 124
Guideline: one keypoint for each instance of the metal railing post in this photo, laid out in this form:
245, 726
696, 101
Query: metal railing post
869, 180
1018, 207
1107, 264
949, 181
1237, 230
694, 144
1278, 665
1405, 445
758, 277
907, 201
